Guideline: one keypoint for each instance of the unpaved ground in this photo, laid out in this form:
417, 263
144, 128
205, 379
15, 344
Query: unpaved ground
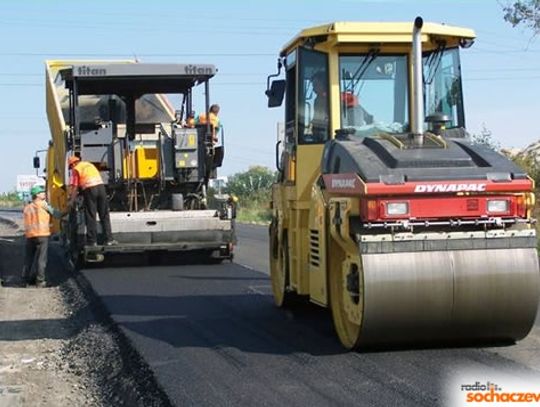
58, 347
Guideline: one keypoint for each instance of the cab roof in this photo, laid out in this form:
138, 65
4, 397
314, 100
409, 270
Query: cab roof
139, 78
378, 33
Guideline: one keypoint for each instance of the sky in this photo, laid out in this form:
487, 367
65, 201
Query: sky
501, 72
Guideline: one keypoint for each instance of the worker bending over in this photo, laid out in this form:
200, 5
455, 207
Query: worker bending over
86, 177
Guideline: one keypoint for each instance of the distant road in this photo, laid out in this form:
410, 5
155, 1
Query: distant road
10, 218
11, 213
252, 250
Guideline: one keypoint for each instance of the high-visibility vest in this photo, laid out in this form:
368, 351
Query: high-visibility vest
190, 122
214, 119
36, 220
88, 175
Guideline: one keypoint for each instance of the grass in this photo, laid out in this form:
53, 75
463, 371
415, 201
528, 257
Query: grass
10, 204
254, 214
10, 200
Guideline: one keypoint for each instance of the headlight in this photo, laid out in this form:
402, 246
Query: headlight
497, 205
397, 208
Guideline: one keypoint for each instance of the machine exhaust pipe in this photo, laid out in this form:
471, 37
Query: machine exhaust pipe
418, 122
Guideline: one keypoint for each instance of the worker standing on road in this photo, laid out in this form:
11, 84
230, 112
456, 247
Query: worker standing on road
213, 118
37, 218
86, 176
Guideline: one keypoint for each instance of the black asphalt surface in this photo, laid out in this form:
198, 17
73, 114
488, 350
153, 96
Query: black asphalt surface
213, 337
9, 217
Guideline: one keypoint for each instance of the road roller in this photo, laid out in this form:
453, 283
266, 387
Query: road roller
385, 210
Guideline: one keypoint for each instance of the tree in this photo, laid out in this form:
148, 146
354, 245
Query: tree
485, 138
526, 12
529, 163
253, 184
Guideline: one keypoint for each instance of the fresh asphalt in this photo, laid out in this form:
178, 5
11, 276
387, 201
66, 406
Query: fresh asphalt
213, 337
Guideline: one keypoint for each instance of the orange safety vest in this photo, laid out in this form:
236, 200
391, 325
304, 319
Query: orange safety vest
190, 122
88, 175
36, 220
214, 119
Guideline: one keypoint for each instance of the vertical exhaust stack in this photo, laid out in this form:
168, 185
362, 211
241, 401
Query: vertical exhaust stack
418, 122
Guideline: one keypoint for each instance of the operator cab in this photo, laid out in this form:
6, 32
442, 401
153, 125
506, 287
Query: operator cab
366, 87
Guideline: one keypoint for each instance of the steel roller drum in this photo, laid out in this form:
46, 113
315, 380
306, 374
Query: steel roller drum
449, 295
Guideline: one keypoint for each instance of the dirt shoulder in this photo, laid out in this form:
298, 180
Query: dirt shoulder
58, 347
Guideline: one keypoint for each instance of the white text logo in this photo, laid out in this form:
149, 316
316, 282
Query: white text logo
450, 188
343, 183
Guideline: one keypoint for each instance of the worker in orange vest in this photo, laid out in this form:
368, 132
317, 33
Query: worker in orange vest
190, 120
213, 118
86, 177
37, 218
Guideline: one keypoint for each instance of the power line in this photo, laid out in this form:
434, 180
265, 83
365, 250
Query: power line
264, 74
22, 84
261, 83
250, 148
19, 74
239, 84
503, 78
504, 51
191, 17
239, 158
504, 70
130, 55
131, 28
506, 38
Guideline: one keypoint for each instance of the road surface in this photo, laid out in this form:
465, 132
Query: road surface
213, 337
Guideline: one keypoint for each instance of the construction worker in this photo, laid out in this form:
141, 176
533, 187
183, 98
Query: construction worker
190, 120
214, 121
37, 217
86, 177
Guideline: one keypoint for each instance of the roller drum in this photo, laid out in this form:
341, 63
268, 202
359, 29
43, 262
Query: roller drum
449, 295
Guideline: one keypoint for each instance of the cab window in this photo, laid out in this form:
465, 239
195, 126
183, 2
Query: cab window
374, 93
313, 98
442, 86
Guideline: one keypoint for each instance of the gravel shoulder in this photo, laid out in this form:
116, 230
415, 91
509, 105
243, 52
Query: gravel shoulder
58, 346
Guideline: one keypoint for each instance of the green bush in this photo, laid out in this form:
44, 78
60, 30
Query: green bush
254, 215
253, 189
10, 200
529, 164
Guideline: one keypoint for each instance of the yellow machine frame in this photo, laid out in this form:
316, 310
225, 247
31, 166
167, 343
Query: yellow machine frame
299, 207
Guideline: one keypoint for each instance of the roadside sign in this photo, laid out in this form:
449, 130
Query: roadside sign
25, 183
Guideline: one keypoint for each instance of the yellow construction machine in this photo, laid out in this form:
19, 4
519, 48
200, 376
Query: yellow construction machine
384, 210
154, 163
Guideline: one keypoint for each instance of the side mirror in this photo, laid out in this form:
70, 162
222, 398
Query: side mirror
276, 92
36, 162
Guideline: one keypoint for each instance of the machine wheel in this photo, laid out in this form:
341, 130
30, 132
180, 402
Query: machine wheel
346, 286
279, 269
73, 256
